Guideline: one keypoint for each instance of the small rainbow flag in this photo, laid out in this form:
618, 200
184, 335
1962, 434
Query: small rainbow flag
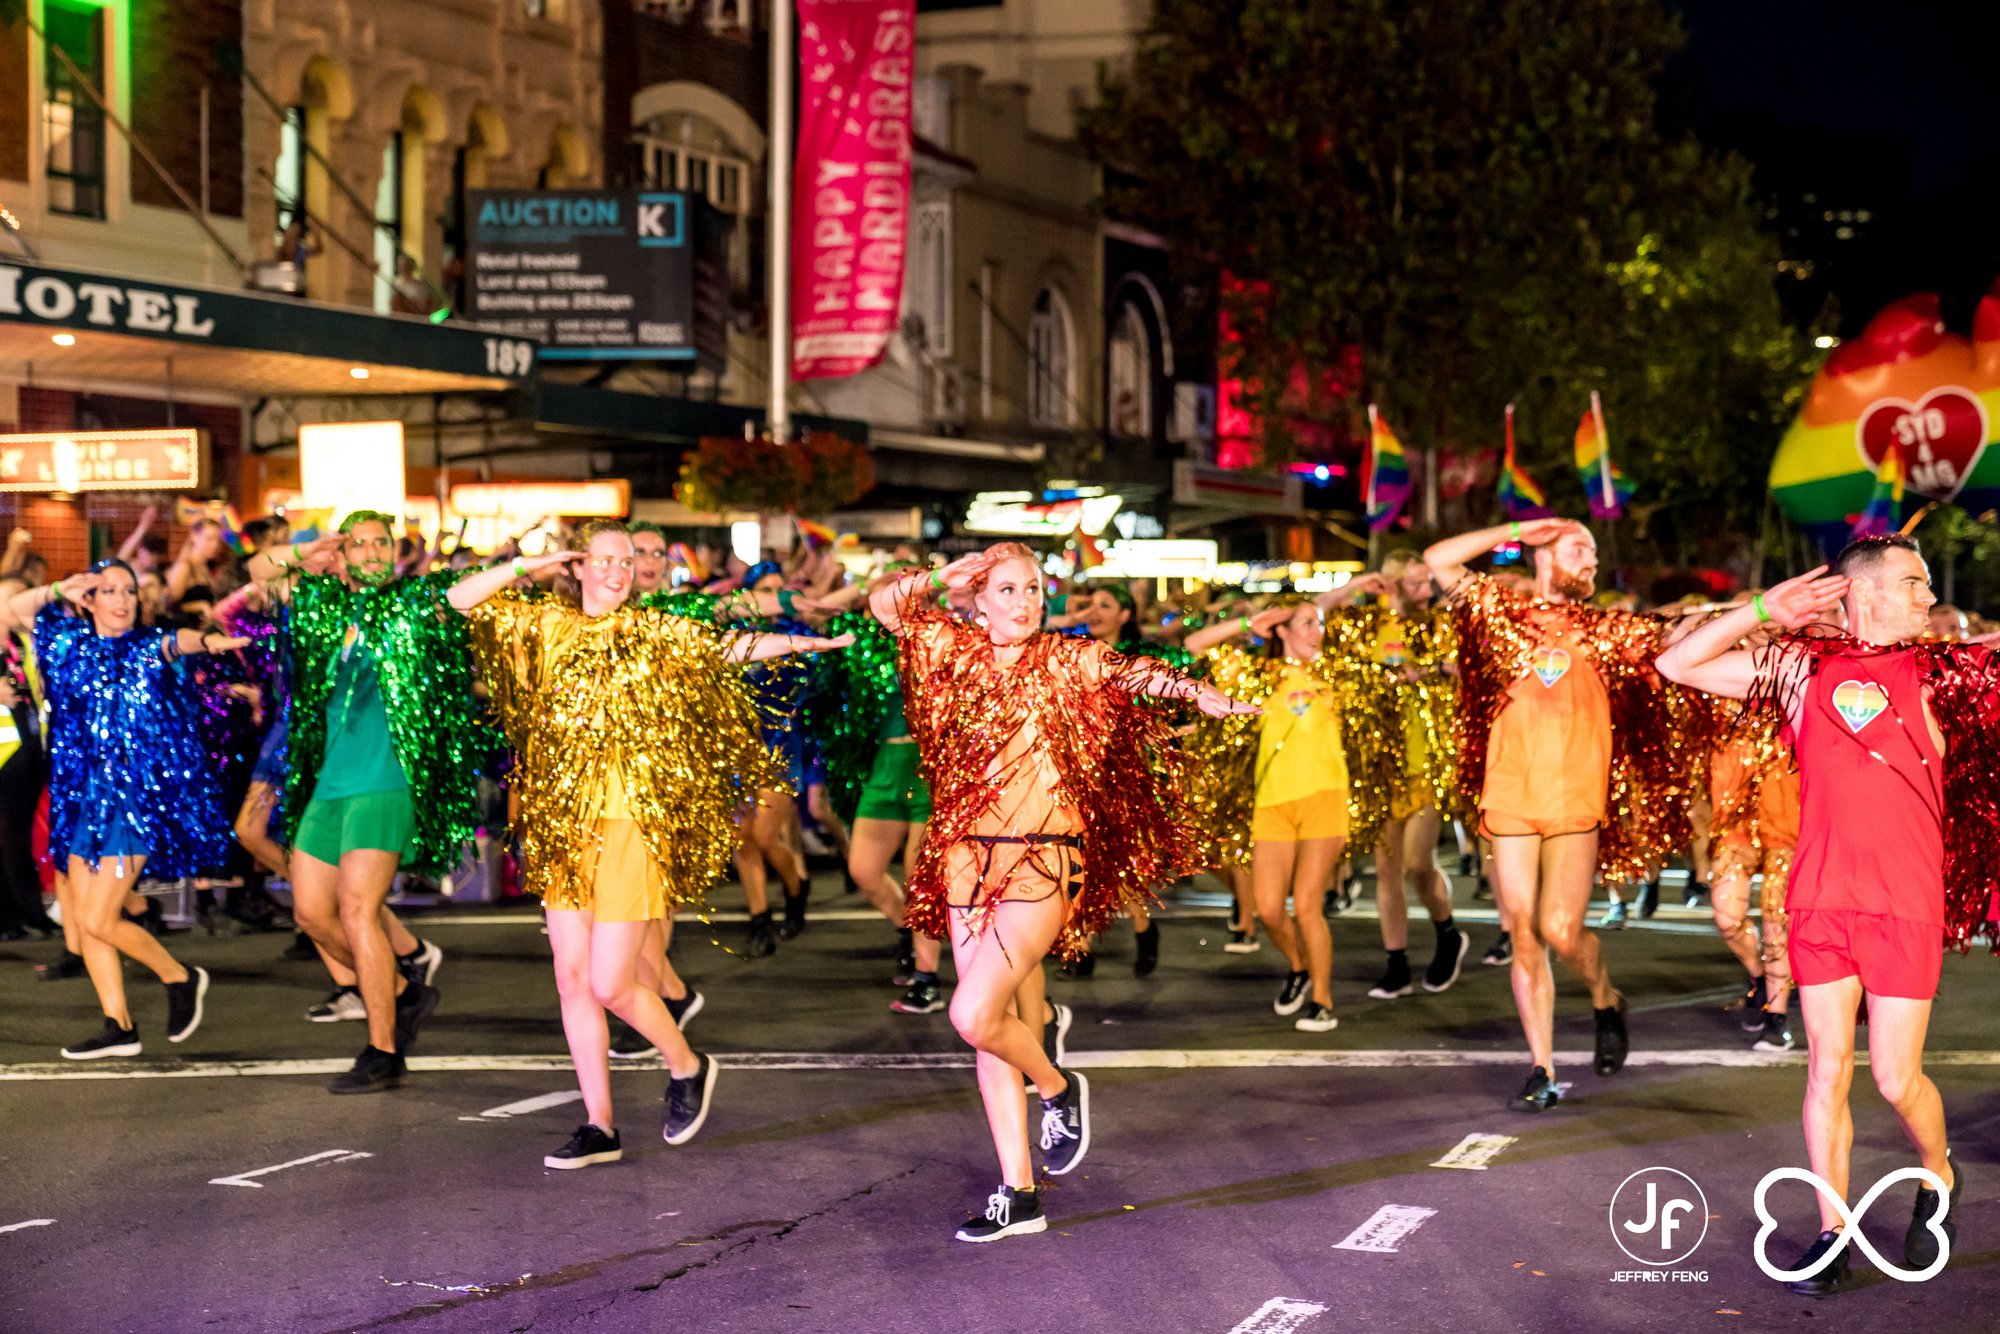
1385, 474
1605, 486
1520, 498
1885, 503
681, 554
816, 536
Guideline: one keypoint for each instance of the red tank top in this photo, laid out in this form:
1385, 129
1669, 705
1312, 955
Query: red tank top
1871, 792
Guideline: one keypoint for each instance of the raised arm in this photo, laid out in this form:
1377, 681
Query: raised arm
16, 554
1707, 658
1448, 557
128, 550
1261, 624
25, 604
474, 589
1344, 596
287, 562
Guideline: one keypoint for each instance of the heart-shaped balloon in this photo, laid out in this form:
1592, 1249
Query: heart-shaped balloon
1549, 664
1859, 703
1939, 437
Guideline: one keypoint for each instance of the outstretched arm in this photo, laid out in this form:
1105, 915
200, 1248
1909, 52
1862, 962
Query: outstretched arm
16, 554
1156, 680
1262, 624
188, 642
1707, 658
759, 648
474, 589
1448, 557
286, 562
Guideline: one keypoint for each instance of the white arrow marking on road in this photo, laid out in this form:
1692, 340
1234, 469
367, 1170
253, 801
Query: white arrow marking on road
1280, 1315
243, 1178
539, 1103
32, 1222
1380, 1234
1475, 1151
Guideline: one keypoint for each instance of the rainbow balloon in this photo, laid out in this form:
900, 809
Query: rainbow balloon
1905, 385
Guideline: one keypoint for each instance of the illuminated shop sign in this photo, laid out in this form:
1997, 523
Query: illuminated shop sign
75, 461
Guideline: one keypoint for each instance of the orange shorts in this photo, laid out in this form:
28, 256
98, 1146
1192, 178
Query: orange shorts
1492, 824
1322, 815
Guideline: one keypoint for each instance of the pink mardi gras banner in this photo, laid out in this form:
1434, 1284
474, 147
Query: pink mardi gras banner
851, 185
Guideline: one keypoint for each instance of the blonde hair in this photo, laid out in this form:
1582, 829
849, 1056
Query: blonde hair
565, 584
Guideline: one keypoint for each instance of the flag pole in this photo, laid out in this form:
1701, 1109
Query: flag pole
779, 418
1370, 465
1603, 452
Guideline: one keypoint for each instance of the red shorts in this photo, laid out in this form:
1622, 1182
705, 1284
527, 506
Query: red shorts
1892, 956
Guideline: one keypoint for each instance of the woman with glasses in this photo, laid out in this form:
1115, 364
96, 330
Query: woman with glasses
634, 738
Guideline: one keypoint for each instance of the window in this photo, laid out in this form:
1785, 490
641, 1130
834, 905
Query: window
289, 180
72, 125
1051, 369
388, 222
929, 298
715, 175
1129, 376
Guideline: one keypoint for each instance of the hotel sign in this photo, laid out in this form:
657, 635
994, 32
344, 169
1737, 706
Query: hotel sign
76, 461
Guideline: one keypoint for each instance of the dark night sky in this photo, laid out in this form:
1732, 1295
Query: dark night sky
1867, 105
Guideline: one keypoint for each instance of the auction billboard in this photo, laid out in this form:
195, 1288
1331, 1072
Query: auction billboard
600, 275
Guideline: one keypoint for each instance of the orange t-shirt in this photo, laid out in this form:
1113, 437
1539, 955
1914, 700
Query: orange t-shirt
1730, 768
1549, 755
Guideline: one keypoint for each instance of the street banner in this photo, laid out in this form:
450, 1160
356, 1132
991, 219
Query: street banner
851, 184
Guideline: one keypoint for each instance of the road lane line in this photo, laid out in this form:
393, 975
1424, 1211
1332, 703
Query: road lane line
528, 1106
32, 1222
1280, 1315
1475, 1152
243, 1178
1145, 1059
1384, 1233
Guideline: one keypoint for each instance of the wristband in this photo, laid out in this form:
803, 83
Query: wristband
520, 568
937, 583
787, 600
1757, 605
1244, 621
1513, 530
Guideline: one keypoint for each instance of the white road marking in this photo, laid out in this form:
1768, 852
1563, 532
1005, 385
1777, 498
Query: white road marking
1221, 1059
243, 1178
32, 1222
1475, 1151
1382, 1234
528, 1106
1280, 1315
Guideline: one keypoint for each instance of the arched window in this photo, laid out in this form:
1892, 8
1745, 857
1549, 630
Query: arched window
686, 152
399, 207
1128, 374
1051, 365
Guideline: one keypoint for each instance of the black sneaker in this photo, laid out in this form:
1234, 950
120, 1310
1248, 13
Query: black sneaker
626, 1045
687, 1102
374, 1071
420, 966
66, 966
1082, 966
685, 1009
922, 998
1613, 1043
1697, 894
300, 950
1776, 1034
1294, 995
1920, 1244
763, 942
906, 961
1055, 1034
1447, 961
588, 1147
1009, 1213
1241, 942
1316, 1019
795, 915
1827, 1280
1148, 958
184, 1004
1465, 863
413, 1009
1649, 898
1502, 952
341, 1004
1754, 1000
1483, 891
111, 1040
1538, 1094
1066, 1125
1395, 979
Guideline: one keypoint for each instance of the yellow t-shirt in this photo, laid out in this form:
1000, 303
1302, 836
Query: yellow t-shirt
1299, 754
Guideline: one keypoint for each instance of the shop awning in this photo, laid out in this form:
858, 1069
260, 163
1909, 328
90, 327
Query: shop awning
645, 417
77, 327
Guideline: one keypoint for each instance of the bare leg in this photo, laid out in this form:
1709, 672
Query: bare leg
1568, 863
104, 921
1829, 1010
400, 938
750, 872
992, 968
1392, 910
582, 1017
1896, 1029
872, 847
364, 878
72, 928
1730, 902
1517, 872
1271, 879
614, 981
253, 828
1310, 879
1420, 868
829, 823
1246, 900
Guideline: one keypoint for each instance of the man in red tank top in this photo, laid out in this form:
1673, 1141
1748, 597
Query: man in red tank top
1866, 901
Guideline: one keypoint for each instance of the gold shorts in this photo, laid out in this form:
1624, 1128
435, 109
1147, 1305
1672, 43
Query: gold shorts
1322, 815
626, 884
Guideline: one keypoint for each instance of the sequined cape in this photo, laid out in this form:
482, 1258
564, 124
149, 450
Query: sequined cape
424, 656
849, 702
1962, 684
1766, 752
639, 693
230, 726
1658, 731
122, 738
775, 686
1431, 648
1114, 759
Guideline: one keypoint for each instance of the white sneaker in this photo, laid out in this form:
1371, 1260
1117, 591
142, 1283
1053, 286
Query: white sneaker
1316, 1019
344, 1003
1242, 942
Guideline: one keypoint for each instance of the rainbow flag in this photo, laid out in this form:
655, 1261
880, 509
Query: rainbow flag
232, 531
816, 536
1385, 475
1520, 498
1603, 484
1885, 504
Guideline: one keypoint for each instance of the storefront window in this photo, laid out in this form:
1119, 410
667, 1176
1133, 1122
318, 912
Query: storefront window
72, 125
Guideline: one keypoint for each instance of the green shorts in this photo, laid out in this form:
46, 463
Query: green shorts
334, 827
895, 788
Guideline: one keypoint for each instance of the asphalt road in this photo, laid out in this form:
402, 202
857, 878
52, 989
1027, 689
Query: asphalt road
1242, 1176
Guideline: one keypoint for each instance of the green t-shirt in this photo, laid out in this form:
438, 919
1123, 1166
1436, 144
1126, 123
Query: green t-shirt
360, 755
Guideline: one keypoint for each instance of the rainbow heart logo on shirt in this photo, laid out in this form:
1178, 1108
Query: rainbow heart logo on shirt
1859, 703
1298, 701
1549, 664
1393, 652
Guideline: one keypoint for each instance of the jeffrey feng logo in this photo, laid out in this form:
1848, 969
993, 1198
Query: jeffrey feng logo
1659, 1217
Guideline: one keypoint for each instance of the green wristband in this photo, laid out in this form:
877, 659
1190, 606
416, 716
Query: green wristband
937, 582
1513, 530
1757, 605
787, 600
520, 568
1244, 621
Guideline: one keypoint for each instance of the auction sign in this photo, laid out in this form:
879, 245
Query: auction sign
599, 275
851, 186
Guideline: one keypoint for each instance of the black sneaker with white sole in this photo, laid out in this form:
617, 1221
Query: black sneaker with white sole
373, 1071
686, 1008
1066, 1125
341, 1004
925, 996
687, 1102
627, 1043
109, 1041
588, 1147
1755, 997
1447, 961
1501, 954
1827, 1280
1396, 980
1316, 1019
1539, 1093
1241, 942
421, 964
184, 1005
1920, 1243
1294, 995
1055, 1034
1009, 1213
413, 1010
1777, 1034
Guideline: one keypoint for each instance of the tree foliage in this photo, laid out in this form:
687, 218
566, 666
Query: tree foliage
1479, 195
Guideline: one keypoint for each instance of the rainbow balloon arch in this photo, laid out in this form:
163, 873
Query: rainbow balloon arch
1906, 384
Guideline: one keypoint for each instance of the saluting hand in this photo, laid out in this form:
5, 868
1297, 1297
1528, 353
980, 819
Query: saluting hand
1800, 601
